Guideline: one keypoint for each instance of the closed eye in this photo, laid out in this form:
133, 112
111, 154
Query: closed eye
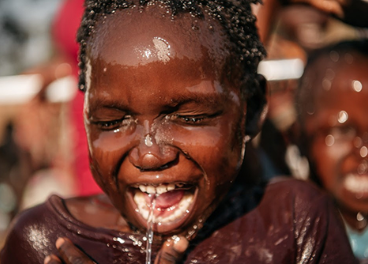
114, 124
193, 120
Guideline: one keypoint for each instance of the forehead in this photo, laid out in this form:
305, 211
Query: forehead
141, 35
330, 81
336, 87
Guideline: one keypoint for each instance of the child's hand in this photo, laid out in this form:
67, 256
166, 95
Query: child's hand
171, 252
70, 254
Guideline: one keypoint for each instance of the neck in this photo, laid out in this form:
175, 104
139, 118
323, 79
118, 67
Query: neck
356, 220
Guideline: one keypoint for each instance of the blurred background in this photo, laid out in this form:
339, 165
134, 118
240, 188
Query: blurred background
37, 131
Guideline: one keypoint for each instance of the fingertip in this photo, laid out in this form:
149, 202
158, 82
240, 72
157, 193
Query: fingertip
180, 244
47, 260
59, 242
51, 259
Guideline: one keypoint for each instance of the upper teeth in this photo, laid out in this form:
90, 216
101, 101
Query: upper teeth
159, 189
355, 183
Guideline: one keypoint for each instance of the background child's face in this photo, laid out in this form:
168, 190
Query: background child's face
338, 132
159, 116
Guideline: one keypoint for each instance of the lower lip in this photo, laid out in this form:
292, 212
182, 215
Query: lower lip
169, 219
357, 185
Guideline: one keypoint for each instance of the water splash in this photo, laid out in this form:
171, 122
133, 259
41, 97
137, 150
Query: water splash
149, 234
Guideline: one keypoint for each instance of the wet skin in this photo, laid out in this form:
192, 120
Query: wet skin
339, 140
156, 80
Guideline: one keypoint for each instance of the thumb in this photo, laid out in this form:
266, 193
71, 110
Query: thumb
172, 250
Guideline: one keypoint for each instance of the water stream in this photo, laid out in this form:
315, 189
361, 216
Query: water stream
149, 234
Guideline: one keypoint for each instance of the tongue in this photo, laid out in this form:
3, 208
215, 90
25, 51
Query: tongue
167, 199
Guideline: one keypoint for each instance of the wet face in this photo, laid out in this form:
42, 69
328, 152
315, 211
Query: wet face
165, 128
338, 129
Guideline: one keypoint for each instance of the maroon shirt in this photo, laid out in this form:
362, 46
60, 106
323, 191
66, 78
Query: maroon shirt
288, 221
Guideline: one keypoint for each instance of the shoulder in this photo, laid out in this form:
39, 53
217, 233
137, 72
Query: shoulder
297, 191
33, 231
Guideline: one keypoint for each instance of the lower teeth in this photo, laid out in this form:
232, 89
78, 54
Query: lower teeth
178, 210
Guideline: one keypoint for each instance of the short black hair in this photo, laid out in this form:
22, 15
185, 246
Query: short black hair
236, 18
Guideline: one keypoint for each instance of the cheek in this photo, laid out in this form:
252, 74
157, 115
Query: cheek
329, 162
216, 149
106, 150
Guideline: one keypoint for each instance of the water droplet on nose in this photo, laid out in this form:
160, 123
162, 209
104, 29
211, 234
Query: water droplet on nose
357, 86
342, 117
363, 152
148, 140
329, 140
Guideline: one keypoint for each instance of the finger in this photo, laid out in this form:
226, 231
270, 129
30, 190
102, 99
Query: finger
52, 259
70, 254
329, 6
172, 251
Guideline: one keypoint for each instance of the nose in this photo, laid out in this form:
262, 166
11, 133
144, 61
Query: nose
150, 155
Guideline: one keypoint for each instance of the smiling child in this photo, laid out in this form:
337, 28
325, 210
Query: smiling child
333, 109
172, 96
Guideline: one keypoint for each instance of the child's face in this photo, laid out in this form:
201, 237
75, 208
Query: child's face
338, 132
159, 117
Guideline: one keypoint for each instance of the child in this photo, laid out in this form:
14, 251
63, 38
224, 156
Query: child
171, 99
333, 111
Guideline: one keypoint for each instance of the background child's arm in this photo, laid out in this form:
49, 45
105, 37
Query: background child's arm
350, 11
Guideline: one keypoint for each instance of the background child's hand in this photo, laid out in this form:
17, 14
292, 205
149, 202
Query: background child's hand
171, 252
330, 6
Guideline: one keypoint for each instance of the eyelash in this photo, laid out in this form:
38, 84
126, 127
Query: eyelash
188, 120
113, 124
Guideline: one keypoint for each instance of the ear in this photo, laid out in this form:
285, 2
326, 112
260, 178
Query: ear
256, 107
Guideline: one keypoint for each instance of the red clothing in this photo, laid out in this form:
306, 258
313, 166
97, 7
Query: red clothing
286, 222
64, 31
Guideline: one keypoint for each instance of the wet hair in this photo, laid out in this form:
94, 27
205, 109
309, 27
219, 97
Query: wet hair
236, 18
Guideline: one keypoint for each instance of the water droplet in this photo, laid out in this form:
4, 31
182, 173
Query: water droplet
334, 56
348, 58
342, 117
362, 167
326, 84
119, 239
357, 86
148, 140
363, 152
329, 140
357, 142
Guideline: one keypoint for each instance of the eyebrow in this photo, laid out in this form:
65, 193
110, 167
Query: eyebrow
176, 102
204, 99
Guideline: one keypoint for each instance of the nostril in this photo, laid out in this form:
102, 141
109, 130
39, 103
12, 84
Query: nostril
151, 158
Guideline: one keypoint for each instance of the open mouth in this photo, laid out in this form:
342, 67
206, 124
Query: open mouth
357, 184
170, 203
